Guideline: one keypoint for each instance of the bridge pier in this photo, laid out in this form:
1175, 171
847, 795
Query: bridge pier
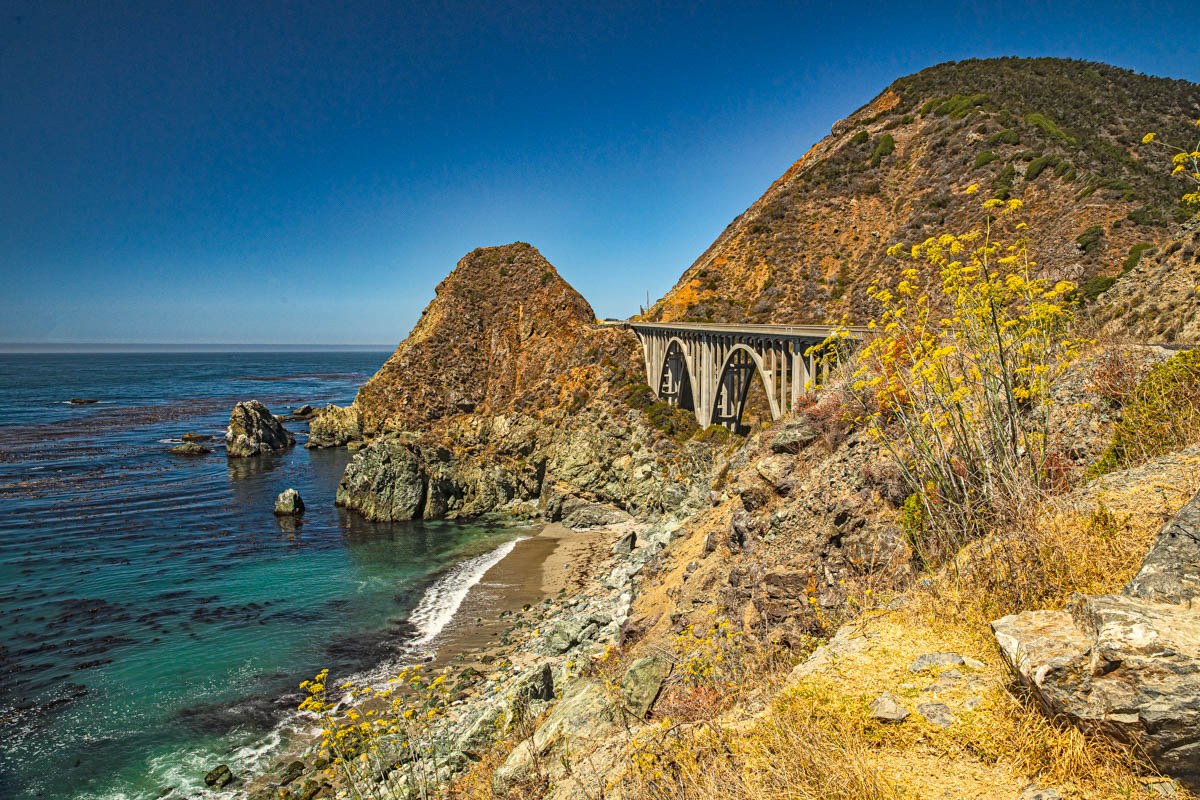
710, 368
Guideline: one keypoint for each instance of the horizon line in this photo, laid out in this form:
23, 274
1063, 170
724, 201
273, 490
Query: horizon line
200, 347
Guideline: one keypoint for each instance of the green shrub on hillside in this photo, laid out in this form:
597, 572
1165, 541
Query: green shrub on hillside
1003, 182
1089, 240
1135, 255
1039, 164
1047, 126
984, 158
886, 146
1095, 286
860, 138
1164, 415
959, 105
1006, 136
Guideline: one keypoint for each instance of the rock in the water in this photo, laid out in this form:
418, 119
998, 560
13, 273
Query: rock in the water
189, 449
1125, 665
303, 411
289, 504
194, 437
888, 709
936, 660
385, 481
625, 544
81, 401
937, 713
219, 777
642, 683
794, 437
253, 430
334, 426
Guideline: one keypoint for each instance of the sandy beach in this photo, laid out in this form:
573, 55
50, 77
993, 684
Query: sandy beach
540, 567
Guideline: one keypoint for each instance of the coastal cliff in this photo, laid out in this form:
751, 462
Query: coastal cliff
508, 397
784, 611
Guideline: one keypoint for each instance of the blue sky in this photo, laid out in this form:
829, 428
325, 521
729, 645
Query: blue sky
308, 171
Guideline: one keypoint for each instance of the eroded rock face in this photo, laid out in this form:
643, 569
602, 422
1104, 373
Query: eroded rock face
254, 430
385, 482
1126, 665
334, 426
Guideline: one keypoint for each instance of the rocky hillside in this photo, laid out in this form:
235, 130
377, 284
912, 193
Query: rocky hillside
1062, 136
502, 327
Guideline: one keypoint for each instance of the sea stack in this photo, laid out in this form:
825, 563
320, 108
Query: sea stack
254, 430
289, 504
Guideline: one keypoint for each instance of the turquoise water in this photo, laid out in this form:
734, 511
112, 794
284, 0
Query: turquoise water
155, 617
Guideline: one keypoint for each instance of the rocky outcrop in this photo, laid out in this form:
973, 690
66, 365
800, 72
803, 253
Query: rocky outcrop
503, 328
289, 504
254, 430
1126, 665
583, 470
334, 426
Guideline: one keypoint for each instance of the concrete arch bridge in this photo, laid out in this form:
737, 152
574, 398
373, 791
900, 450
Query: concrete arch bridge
708, 368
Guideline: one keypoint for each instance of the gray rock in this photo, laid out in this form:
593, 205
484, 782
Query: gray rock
579, 513
385, 481
777, 471
937, 713
253, 430
642, 683
936, 660
1127, 665
189, 449
562, 636
888, 709
334, 426
795, 436
584, 714
1170, 572
741, 528
289, 504
291, 772
625, 544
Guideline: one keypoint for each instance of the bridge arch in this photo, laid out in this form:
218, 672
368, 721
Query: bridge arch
677, 377
737, 372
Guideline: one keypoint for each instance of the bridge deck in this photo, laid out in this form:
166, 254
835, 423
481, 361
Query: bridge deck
804, 331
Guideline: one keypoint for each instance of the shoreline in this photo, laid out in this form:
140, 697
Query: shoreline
554, 563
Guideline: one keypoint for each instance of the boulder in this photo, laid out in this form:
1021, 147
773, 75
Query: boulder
189, 449
82, 401
253, 430
795, 436
625, 544
1125, 665
562, 636
642, 683
385, 481
935, 660
776, 470
303, 411
334, 426
218, 777
579, 513
584, 714
937, 713
194, 437
886, 708
289, 504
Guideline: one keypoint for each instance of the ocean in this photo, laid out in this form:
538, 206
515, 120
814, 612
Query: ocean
155, 617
